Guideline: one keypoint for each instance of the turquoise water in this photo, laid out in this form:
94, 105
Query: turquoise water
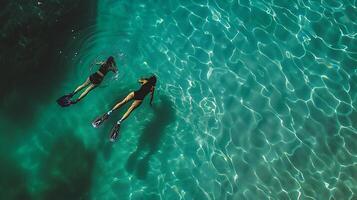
255, 100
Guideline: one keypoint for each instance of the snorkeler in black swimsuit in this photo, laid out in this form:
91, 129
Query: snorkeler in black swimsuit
144, 89
147, 86
93, 81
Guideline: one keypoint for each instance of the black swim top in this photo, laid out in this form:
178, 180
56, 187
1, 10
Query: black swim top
143, 91
105, 68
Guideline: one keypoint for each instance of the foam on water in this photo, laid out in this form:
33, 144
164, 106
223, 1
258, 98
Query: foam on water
255, 100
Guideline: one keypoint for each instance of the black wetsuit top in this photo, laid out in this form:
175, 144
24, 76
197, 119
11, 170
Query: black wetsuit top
105, 68
96, 78
143, 91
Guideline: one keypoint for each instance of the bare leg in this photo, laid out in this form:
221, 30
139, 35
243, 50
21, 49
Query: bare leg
82, 86
124, 101
134, 105
91, 86
115, 130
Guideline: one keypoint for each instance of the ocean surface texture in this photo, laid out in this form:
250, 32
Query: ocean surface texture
256, 99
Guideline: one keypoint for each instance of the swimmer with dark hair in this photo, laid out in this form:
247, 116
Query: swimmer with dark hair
92, 81
147, 86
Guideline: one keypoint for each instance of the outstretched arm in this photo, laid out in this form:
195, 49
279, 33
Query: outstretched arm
99, 63
114, 68
152, 95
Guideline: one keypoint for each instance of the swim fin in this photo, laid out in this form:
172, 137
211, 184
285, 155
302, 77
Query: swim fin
65, 100
114, 133
99, 120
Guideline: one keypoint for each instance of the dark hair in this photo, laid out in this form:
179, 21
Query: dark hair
110, 60
152, 80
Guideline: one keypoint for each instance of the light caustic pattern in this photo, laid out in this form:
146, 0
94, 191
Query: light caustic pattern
257, 99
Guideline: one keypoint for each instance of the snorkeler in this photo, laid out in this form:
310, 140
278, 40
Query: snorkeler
147, 86
92, 81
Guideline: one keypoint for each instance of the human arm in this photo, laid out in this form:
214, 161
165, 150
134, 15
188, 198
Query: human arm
152, 95
113, 67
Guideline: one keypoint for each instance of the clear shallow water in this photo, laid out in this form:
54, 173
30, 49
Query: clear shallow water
255, 100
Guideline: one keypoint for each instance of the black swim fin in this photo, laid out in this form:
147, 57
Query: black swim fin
65, 100
99, 120
114, 133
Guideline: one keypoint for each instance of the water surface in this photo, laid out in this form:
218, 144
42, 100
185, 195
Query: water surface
255, 100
